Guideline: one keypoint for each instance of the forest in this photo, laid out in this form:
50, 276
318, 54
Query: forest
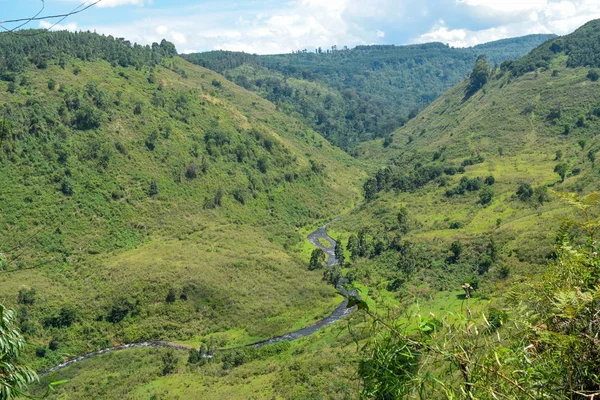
353, 95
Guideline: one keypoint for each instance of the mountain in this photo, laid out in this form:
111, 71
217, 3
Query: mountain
147, 198
516, 128
489, 199
354, 95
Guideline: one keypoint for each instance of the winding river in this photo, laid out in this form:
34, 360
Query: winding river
337, 314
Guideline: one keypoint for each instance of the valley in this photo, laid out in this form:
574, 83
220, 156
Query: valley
226, 225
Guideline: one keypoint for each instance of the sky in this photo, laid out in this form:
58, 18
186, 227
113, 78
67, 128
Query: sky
271, 26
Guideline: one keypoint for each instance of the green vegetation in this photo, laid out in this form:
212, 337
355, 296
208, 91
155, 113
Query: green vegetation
14, 377
354, 95
143, 202
160, 201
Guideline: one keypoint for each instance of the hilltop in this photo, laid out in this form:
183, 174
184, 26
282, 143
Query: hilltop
355, 95
146, 198
485, 165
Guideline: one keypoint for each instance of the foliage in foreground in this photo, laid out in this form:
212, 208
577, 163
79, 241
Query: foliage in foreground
546, 346
14, 377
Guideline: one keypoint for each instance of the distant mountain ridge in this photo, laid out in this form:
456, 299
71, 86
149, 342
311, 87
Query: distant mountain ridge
355, 95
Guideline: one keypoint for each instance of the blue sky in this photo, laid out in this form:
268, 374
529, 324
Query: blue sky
270, 26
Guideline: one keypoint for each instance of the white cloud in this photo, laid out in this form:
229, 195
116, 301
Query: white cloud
515, 18
116, 3
72, 26
282, 26
161, 29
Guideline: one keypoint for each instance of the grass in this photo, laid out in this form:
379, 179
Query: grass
112, 243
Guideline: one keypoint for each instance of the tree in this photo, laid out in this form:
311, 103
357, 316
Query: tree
593, 75
352, 245
592, 156
171, 296
403, 220
66, 187
490, 180
486, 195
456, 248
14, 377
86, 118
561, 169
190, 172
479, 76
5, 130
169, 361
524, 192
370, 189
317, 260
559, 155
332, 275
339, 253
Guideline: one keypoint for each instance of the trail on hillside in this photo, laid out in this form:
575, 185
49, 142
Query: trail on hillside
337, 314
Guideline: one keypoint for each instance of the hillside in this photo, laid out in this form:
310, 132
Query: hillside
354, 95
513, 129
147, 198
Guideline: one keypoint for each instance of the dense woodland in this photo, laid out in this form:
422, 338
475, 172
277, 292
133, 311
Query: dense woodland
353, 95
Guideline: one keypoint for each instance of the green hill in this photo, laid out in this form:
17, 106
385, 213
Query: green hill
483, 168
146, 198
354, 95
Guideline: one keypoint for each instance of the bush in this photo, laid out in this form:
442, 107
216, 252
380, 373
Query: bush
486, 195
65, 317
66, 187
490, 180
121, 308
153, 188
456, 225
53, 345
169, 362
86, 118
26, 296
171, 296
593, 75
191, 171
40, 352
524, 192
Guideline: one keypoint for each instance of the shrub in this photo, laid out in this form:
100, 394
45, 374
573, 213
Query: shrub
486, 195
524, 192
86, 118
490, 180
456, 225
171, 296
51, 84
169, 362
40, 352
66, 187
191, 171
65, 317
26, 296
153, 188
121, 308
593, 75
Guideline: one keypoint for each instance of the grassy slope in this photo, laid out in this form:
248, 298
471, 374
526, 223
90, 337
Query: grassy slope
110, 240
508, 123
